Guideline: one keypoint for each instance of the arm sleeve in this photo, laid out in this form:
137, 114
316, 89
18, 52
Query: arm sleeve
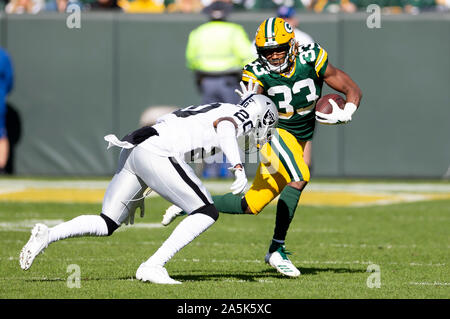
315, 56
226, 131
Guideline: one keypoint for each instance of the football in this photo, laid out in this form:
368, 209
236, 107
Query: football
324, 106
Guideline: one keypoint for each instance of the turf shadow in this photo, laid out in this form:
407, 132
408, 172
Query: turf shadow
258, 276
315, 271
248, 276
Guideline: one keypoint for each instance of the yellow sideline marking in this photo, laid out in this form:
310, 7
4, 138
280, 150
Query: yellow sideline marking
320, 198
343, 198
323, 198
75, 195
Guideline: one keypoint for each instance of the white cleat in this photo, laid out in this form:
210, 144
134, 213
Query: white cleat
279, 260
171, 213
35, 245
155, 274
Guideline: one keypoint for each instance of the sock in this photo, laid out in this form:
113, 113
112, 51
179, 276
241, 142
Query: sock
287, 203
84, 225
229, 203
186, 231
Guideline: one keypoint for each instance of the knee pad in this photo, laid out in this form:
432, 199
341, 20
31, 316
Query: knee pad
209, 210
112, 226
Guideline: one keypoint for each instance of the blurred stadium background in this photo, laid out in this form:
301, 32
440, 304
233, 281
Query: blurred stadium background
73, 86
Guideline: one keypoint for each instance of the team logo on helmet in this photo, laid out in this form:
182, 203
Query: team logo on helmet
288, 27
269, 118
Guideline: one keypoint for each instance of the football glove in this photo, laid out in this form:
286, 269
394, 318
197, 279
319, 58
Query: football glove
240, 182
247, 91
137, 203
338, 115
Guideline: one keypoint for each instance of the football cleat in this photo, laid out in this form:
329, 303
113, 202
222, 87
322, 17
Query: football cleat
35, 245
155, 274
279, 260
171, 213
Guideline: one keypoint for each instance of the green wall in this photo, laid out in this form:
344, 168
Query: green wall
73, 86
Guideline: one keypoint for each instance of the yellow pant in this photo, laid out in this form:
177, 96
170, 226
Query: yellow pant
281, 162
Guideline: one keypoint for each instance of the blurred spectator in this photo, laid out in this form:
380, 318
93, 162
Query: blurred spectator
443, 5
217, 51
56, 5
288, 14
6, 85
60, 5
142, 6
334, 6
184, 6
417, 6
273, 4
106, 5
348, 6
25, 6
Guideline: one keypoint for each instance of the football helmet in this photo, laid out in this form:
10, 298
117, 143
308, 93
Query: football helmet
264, 115
275, 34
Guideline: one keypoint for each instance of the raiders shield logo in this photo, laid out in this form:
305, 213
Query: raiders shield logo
268, 118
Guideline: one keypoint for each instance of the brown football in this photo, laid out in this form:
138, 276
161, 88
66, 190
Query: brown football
324, 106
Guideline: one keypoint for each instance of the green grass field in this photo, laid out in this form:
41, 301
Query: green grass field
332, 246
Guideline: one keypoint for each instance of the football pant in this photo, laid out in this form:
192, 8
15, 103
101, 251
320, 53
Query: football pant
171, 177
281, 162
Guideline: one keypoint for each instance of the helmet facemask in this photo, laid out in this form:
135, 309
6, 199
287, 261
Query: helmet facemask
265, 117
289, 57
263, 128
262, 132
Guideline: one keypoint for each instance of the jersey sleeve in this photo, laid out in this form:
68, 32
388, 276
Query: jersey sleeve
316, 56
249, 74
242, 120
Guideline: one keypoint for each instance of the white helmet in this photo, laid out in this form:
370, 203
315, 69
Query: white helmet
264, 115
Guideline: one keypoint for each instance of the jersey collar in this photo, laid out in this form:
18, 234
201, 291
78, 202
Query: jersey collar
291, 73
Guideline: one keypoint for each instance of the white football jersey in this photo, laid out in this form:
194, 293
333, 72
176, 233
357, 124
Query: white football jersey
191, 130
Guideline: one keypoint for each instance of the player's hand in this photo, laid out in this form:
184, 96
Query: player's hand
248, 91
240, 182
338, 115
137, 204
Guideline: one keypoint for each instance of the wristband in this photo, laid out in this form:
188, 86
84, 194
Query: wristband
350, 108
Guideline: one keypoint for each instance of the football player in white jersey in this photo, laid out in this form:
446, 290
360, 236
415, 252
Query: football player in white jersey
153, 157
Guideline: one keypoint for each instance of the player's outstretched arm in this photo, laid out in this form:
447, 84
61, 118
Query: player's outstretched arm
342, 82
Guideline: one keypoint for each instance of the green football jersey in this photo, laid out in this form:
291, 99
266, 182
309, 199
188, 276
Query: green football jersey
295, 94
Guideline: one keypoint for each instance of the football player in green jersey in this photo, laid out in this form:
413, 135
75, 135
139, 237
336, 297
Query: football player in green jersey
292, 76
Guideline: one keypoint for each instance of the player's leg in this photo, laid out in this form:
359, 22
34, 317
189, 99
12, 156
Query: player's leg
307, 154
269, 180
175, 180
290, 153
117, 204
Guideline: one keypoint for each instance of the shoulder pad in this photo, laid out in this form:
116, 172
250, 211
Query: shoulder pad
314, 55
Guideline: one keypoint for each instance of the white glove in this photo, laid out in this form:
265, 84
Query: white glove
135, 204
130, 217
247, 91
338, 115
240, 182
